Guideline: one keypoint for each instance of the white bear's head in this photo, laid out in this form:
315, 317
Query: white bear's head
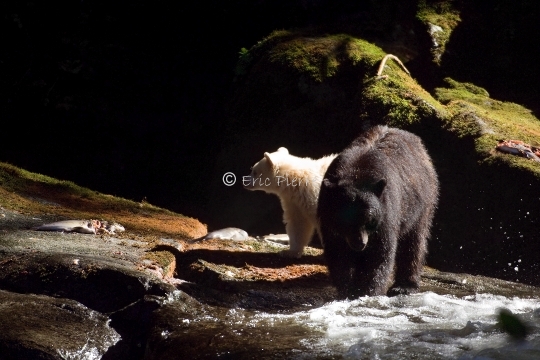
263, 173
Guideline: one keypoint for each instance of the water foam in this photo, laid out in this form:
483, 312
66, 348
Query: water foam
421, 326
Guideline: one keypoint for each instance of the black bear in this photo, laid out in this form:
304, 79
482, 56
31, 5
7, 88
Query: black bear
375, 209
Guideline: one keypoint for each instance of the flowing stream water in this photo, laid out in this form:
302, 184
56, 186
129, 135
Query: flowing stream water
421, 326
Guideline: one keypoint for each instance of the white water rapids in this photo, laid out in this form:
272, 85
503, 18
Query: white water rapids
421, 326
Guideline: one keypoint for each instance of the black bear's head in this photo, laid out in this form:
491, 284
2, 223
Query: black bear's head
356, 208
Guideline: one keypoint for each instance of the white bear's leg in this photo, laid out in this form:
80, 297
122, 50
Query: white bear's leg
300, 231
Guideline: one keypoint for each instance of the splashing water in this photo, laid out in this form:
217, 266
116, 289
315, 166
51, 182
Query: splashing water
421, 326
98, 341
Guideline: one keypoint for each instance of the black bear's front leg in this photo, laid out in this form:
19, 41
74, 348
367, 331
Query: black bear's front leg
409, 262
340, 263
373, 269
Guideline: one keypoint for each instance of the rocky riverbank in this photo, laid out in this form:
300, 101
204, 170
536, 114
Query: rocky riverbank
116, 296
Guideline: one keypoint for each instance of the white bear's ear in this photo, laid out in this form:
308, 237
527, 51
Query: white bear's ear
267, 157
283, 150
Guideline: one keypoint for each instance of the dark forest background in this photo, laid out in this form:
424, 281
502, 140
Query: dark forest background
130, 97
127, 97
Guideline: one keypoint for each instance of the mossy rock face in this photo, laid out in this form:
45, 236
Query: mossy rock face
313, 93
474, 113
315, 81
440, 18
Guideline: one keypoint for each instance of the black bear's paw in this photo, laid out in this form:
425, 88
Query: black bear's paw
402, 290
347, 294
350, 293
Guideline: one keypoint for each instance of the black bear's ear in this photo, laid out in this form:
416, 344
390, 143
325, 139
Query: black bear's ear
379, 187
327, 183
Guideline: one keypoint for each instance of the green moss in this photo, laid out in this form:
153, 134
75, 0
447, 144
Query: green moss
318, 56
464, 122
475, 114
22, 181
387, 101
441, 14
263, 246
304, 64
14, 178
244, 61
257, 246
505, 120
398, 100
162, 258
461, 91
485, 146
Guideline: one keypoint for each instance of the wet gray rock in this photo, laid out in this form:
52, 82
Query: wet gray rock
43, 327
104, 275
102, 283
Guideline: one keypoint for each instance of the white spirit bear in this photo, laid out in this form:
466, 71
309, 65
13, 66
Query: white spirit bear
296, 181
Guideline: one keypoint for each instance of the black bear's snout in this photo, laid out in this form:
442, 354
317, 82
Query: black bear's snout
359, 241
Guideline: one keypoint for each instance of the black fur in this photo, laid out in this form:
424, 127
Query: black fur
375, 209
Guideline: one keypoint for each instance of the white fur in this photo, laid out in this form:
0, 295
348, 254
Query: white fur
296, 181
